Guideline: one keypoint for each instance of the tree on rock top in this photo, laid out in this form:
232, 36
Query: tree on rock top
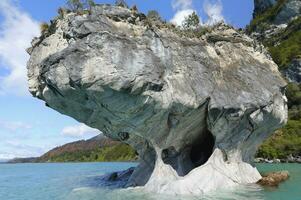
75, 5
154, 15
191, 22
79, 5
90, 4
121, 3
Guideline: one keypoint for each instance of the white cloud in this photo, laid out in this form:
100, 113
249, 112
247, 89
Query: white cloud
180, 16
183, 9
18, 149
80, 131
14, 126
213, 10
6, 155
16, 32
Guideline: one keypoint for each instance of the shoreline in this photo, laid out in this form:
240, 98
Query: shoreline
290, 159
72, 162
256, 160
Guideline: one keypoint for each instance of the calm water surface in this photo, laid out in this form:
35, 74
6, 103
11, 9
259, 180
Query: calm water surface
80, 181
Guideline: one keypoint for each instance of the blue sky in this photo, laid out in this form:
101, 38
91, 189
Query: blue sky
27, 126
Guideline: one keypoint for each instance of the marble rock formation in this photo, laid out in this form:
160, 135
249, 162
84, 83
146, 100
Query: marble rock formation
194, 108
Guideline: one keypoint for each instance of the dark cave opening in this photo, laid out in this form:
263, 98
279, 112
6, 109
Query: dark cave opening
191, 156
202, 149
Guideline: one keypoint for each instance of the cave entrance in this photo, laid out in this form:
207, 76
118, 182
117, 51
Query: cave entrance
202, 149
191, 156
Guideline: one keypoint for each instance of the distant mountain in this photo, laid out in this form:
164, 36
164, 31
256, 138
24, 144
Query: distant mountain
22, 160
96, 149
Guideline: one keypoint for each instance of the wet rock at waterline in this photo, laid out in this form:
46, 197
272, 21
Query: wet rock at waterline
273, 179
116, 179
195, 109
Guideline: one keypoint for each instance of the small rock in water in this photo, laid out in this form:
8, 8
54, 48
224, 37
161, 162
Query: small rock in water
116, 179
273, 179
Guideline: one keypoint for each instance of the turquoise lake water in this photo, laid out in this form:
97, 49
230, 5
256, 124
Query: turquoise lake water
80, 181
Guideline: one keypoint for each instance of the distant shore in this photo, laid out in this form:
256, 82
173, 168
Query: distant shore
35, 160
289, 159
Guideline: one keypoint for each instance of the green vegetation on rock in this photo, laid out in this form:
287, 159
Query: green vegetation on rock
44, 27
121, 3
285, 142
294, 95
154, 15
284, 45
192, 21
75, 5
262, 20
287, 50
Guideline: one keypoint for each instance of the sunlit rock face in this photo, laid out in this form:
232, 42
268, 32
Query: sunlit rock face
286, 11
195, 109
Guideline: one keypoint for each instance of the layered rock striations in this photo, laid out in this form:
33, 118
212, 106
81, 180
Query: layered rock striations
194, 108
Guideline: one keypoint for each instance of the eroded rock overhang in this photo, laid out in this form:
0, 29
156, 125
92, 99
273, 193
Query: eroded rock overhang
191, 107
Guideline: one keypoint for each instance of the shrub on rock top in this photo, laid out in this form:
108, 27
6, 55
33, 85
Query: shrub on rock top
154, 15
191, 22
121, 3
75, 5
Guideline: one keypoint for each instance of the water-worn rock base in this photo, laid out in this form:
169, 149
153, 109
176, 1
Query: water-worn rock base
215, 173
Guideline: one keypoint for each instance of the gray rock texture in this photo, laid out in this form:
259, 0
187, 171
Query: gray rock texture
262, 5
293, 72
288, 10
176, 100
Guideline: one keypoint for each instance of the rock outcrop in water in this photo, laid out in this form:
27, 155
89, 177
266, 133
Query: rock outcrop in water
195, 109
273, 179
